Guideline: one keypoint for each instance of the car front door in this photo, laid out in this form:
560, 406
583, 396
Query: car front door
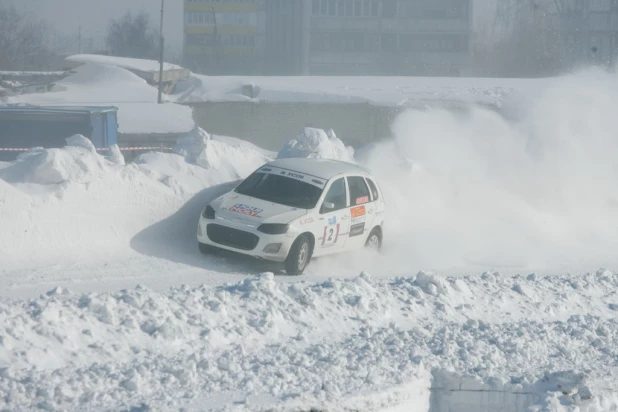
362, 212
333, 219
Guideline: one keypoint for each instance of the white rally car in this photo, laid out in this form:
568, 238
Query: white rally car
291, 210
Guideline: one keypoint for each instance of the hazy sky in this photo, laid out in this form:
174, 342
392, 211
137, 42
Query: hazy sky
66, 16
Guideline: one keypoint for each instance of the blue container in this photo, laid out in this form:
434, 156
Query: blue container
25, 127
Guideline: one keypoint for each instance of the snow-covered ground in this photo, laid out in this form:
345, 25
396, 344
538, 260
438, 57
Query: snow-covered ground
496, 289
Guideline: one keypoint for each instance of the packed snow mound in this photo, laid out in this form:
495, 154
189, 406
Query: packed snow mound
128, 63
233, 158
62, 349
115, 155
317, 143
91, 74
78, 162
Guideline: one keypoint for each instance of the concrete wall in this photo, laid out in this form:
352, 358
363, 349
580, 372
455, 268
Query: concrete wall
270, 125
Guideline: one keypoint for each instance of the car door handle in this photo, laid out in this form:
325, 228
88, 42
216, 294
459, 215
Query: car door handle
370, 211
344, 218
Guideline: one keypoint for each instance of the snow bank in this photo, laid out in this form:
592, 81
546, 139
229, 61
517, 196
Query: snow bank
199, 161
103, 85
77, 163
59, 202
235, 158
314, 344
316, 143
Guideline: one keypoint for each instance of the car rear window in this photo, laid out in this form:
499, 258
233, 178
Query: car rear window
359, 192
281, 190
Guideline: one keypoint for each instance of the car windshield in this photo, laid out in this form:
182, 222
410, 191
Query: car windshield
280, 189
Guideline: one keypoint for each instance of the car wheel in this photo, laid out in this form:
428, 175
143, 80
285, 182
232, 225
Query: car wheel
374, 241
298, 257
206, 249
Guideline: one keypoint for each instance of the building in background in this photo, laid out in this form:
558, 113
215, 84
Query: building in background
222, 37
586, 31
390, 37
328, 37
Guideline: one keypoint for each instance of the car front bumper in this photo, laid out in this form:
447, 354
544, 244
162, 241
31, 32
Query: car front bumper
244, 239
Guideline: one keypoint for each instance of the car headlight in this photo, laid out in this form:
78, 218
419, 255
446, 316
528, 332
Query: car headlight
273, 228
208, 213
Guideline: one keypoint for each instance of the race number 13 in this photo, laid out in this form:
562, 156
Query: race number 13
331, 233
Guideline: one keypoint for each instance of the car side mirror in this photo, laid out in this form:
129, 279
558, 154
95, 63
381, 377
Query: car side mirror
328, 206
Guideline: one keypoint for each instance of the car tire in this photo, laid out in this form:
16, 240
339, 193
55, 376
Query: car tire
374, 240
206, 249
298, 257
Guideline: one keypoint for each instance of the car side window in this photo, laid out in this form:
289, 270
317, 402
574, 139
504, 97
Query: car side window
359, 192
335, 197
373, 188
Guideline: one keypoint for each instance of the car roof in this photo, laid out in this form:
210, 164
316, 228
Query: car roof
322, 168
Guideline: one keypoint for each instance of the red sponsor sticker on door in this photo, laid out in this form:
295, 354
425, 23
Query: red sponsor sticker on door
358, 211
361, 200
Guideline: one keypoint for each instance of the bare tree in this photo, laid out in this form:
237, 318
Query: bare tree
23, 41
132, 36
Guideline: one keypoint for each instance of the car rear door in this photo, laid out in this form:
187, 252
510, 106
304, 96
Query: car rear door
333, 219
362, 212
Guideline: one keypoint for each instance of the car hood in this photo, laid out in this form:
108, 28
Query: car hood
250, 210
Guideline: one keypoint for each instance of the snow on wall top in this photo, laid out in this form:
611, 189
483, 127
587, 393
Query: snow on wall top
122, 62
382, 91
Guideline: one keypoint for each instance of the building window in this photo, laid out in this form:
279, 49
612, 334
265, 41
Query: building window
366, 8
315, 7
341, 8
389, 8
433, 43
388, 42
349, 8
332, 8
374, 8
323, 7
357, 8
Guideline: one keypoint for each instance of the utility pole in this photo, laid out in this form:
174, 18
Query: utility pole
161, 45
214, 42
79, 40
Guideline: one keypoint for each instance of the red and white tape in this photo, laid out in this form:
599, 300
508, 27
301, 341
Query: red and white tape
138, 148
12, 149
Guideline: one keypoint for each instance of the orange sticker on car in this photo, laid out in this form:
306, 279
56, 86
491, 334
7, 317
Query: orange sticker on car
358, 211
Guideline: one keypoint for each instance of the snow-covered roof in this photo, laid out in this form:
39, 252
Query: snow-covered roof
56, 109
142, 65
97, 85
